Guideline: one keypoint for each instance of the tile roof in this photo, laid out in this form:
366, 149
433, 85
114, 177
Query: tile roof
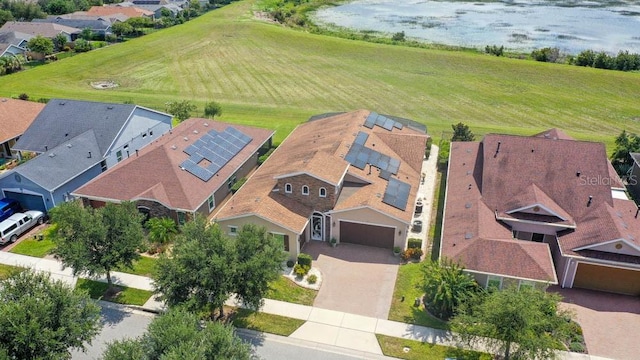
16, 116
61, 120
111, 10
35, 28
318, 147
154, 173
488, 179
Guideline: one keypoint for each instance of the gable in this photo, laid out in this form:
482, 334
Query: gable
536, 209
615, 246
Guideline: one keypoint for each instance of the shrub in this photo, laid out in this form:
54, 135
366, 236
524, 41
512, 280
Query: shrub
396, 249
427, 149
66, 48
264, 157
399, 36
300, 270
237, 185
82, 45
576, 347
414, 243
411, 253
312, 279
290, 263
494, 50
23, 96
304, 260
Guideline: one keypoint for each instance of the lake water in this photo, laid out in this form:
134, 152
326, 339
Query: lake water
519, 25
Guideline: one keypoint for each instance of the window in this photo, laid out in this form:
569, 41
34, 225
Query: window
103, 165
287, 188
537, 237
305, 190
231, 182
233, 230
494, 282
526, 284
284, 240
322, 192
182, 217
119, 155
211, 202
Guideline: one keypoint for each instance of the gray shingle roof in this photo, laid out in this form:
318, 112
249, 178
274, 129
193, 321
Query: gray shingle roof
69, 159
62, 120
97, 25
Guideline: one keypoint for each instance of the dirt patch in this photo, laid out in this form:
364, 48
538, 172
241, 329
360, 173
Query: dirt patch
103, 85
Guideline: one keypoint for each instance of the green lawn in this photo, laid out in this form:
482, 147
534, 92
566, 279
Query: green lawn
395, 347
6, 270
144, 266
126, 295
263, 322
33, 247
284, 289
408, 285
271, 76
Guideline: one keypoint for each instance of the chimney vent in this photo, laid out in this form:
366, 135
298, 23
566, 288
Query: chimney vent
578, 173
136, 152
89, 155
590, 201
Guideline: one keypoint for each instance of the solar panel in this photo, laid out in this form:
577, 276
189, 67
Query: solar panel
397, 194
385, 174
388, 124
190, 150
397, 125
351, 156
371, 120
394, 165
361, 138
360, 164
363, 155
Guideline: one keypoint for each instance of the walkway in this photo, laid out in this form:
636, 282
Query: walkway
322, 326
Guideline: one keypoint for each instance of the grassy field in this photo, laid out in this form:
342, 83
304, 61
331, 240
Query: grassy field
267, 75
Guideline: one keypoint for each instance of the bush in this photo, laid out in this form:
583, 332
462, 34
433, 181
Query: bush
304, 260
237, 185
399, 36
443, 154
264, 157
576, 347
427, 148
290, 263
546, 54
82, 45
301, 270
411, 253
66, 48
494, 50
397, 249
23, 96
312, 279
414, 243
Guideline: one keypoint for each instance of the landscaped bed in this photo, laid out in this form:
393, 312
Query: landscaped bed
118, 294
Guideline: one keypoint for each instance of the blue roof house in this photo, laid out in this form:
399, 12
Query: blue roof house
75, 141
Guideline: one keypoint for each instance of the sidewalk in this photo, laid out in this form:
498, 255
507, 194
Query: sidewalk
350, 331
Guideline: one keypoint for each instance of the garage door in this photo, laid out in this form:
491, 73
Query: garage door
28, 201
605, 278
370, 235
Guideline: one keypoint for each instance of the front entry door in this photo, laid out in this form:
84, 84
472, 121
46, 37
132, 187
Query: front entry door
316, 227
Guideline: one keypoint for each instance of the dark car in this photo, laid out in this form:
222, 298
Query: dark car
9, 207
416, 226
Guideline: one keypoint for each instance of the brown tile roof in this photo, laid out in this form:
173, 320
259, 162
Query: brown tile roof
154, 173
501, 173
112, 10
48, 30
318, 148
16, 116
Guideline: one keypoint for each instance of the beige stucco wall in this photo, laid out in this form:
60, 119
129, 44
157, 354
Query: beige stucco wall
372, 217
294, 248
481, 279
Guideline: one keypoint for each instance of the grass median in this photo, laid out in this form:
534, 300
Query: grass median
117, 294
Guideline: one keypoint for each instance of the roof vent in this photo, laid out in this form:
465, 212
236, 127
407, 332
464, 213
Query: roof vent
174, 147
69, 146
52, 155
61, 103
206, 124
109, 107
186, 138
578, 173
590, 201
467, 205
378, 195
468, 236
195, 131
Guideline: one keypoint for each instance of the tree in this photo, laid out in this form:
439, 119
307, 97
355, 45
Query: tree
44, 319
211, 109
5, 15
200, 271
60, 41
97, 241
626, 143
181, 110
121, 28
179, 334
461, 132
446, 286
161, 230
40, 44
82, 45
523, 324
86, 34
59, 7
206, 267
259, 257
138, 23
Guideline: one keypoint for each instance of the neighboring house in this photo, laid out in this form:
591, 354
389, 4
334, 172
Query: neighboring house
351, 176
634, 175
15, 118
13, 43
538, 210
77, 141
47, 30
186, 172
154, 6
130, 12
98, 25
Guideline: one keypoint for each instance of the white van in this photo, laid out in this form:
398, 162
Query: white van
19, 223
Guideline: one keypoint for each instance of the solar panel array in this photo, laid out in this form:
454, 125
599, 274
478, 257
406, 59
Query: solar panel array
382, 121
217, 148
396, 194
360, 155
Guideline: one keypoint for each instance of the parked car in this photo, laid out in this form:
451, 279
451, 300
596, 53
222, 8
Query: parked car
19, 223
9, 207
416, 226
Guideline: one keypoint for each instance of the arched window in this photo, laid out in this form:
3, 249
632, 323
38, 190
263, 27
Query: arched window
322, 192
287, 188
305, 190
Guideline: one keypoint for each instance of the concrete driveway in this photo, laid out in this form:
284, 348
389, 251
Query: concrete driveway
610, 323
356, 279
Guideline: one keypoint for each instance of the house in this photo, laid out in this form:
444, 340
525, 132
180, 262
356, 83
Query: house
13, 43
188, 171
47, 30
76, 141
15, 118
350, 176
106, 11
539, 210
155, 6
633, 176
98, 25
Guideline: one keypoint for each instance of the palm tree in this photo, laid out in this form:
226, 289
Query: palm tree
161, 230
446, 286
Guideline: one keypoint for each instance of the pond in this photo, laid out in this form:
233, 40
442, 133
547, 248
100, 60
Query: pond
571, 26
